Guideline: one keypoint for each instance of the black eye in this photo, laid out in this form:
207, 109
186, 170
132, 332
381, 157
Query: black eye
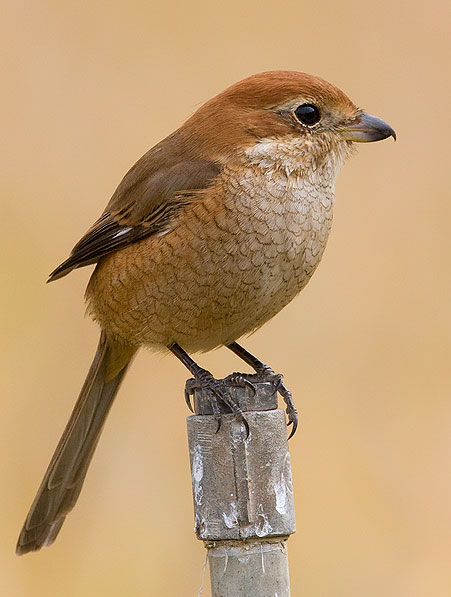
308, 114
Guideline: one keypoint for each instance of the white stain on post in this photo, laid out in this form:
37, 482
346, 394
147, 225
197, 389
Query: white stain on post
231, 520
197, 473
280, 489
283, 487
264, 528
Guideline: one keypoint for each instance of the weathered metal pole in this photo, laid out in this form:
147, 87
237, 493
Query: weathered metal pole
243, 493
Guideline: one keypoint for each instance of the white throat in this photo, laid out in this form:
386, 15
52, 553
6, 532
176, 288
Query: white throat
317, 161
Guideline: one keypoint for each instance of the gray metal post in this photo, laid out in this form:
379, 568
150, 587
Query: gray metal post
243, 493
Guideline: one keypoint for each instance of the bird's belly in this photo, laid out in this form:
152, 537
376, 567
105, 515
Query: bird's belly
220, 274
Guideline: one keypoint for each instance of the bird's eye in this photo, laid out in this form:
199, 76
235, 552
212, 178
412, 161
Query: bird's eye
307, 114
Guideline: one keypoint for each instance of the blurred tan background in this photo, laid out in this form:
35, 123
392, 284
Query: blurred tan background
87, 88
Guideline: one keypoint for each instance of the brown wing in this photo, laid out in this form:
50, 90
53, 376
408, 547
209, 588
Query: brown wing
146, 202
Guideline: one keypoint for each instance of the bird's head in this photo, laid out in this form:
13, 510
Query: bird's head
283, 119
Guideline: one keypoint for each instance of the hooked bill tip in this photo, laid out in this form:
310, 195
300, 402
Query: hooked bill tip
367, 128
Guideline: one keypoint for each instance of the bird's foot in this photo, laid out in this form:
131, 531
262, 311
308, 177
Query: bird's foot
217, 391
276, 379
265, 373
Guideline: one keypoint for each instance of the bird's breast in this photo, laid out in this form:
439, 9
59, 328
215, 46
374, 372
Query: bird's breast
283, 222
233, 260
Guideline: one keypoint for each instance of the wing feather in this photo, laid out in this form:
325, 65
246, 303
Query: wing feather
146, 202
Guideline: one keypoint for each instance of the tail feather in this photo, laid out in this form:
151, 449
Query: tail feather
66, 472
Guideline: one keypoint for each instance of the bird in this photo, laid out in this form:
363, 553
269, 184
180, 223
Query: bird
207, 237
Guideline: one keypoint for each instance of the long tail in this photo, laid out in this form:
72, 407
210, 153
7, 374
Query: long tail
66, 473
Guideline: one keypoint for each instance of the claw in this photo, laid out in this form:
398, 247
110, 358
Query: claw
237, 379
293, 420
291, 411
251, 386
190, 386
278, 381
246, 426
188, 400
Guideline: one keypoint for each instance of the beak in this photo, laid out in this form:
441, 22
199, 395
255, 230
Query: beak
366, 128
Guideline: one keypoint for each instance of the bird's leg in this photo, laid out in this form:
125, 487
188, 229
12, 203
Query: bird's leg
267, 373
215, 389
